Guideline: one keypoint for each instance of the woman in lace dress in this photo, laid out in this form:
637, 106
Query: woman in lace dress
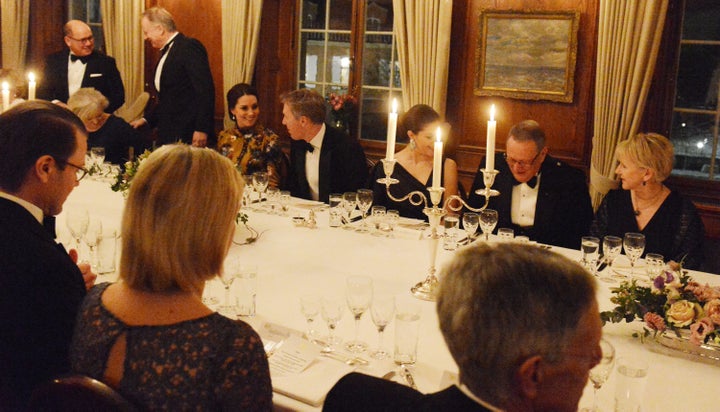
250, 145
149, 335
670, 223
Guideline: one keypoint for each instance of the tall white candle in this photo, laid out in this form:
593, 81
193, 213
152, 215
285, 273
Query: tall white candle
31, 86
5, 96
437, 160
392, 130
490, 144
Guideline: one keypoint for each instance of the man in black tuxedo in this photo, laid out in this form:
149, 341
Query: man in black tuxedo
41, 286
517, 345
67, 71
540, 197
185, 91
323, 159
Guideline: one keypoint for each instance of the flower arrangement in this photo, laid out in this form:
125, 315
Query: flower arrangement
341, 106
672, 302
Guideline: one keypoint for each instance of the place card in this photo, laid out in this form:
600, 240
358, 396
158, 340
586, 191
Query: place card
292, 357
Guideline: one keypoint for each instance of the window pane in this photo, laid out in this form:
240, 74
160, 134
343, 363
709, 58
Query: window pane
693, 138
697, 82
701, 20
338, 59
77, 10
94, 12
374, 116
313, 14
377, 60
340, 14
312, 57
379, 15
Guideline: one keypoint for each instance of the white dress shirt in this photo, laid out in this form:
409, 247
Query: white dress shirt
161, 63
464, 389
76, 72
312, 164
524, 200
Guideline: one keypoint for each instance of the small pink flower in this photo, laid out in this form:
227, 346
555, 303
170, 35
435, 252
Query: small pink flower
654, 321
712, 311
699, 330
704, 293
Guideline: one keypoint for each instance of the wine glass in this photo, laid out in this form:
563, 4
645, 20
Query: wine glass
310, 308
77, 221
612, 245
364, 201
590, 249
97, 154
634, 245
91, 238
260, 182
332, 311
227, 276
273, 199
488, 221
470, 223
600, 373
450, 222
382, 311
359, 296
247, 192
349, 201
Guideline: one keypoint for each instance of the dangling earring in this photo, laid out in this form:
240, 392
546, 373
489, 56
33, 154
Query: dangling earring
232, 117
413, 145
644, 182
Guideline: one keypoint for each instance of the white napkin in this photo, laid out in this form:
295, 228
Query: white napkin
311, 385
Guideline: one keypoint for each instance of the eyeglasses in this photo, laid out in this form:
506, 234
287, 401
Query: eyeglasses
522, 163
88, 39
79, 173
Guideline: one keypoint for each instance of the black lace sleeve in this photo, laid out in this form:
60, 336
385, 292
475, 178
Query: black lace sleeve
599, 226
689, 238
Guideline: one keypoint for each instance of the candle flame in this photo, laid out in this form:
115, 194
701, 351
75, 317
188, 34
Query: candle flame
31, 76
492, 112
5, 86
394, 106
438, 135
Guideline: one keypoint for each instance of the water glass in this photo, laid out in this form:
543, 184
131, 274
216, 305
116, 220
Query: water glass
106, 250
522, 239
590, 249
654, 265
450, 239
407, 328
506, 234
470, 223
284, 202
378, 214
630, 385
247, 278
336, 209
392, 217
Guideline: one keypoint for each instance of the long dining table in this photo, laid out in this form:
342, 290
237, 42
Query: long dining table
295, 260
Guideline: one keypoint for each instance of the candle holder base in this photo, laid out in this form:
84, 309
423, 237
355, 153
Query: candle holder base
388, 180
487, 192
427, 289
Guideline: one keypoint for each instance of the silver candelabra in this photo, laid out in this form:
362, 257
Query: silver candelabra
427, 289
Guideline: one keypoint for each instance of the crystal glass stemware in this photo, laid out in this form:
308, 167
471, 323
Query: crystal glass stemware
359, 296
364, 201
590, 249
227, 276
91, 238
310, 308
77, 221
600, 373
612, 245
470, 223
382, 311
488, 221
634, 245
97, 155
260, 183
332, 311
349, 202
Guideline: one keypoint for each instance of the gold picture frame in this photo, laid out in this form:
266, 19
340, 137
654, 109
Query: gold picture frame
527, 54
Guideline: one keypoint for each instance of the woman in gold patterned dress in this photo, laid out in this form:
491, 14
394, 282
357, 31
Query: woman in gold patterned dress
250, 145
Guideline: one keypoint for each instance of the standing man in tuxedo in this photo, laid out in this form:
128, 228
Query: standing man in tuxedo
323, 159
81, 66
540, 197
518, 347
42, 159
184, 84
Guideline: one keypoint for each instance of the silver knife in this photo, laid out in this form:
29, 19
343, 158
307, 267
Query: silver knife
405, 373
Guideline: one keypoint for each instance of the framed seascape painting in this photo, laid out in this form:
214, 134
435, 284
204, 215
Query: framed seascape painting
527, 54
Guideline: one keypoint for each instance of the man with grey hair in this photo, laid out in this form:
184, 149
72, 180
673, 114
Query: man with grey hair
523, 326
185, 91
540, 196
323, 159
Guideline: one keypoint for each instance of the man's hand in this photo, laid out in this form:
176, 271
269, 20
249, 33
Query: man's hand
138, 123
199, 139
87, 274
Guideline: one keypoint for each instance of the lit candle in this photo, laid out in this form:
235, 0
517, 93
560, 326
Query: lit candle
437, 160
392, 129
31, 86
5, 96
490, 144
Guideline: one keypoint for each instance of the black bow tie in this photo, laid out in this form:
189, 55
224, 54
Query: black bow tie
308, 147
532, 182
83, 59
49, 225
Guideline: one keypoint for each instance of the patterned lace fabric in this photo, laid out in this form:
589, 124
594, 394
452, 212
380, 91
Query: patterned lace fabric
206, 364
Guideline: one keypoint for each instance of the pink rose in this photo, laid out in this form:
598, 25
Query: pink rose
712, 311
681, 313
654, 321
699, 330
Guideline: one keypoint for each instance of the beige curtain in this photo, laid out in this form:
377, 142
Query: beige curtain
15, 22
422, 29
124, 42
628, 41
240, 36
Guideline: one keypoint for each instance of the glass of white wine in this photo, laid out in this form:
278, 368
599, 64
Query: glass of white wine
601, 372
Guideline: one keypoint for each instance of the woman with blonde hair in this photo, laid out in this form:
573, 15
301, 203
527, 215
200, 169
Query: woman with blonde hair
149, 335
670, 223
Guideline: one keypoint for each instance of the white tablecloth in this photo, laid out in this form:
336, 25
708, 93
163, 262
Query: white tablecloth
293, 261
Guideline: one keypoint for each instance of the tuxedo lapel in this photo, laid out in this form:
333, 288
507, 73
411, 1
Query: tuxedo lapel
324, 172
